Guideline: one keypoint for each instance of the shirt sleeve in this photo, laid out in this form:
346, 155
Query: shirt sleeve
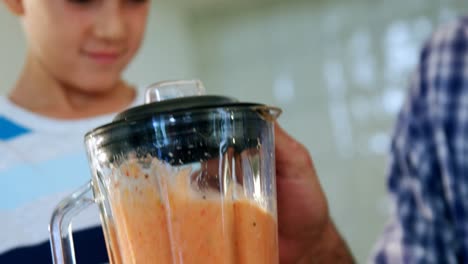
424, 161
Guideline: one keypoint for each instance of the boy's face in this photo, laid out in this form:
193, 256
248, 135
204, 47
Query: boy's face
85, 44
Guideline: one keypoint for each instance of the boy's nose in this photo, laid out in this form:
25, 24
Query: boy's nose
110, 23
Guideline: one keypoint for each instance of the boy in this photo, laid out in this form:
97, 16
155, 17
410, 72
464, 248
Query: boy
72, 82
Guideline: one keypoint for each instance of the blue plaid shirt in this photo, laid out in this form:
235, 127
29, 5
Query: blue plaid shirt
428, 172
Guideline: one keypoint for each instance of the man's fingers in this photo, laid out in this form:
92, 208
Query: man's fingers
292, 158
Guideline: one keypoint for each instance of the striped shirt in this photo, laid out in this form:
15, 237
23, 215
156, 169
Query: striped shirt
42, 160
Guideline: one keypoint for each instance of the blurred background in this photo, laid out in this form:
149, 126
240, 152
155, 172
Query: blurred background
338, 68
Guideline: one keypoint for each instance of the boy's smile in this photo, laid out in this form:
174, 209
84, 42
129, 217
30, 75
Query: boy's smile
103, 57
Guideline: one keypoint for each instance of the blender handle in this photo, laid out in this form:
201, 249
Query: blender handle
60, 229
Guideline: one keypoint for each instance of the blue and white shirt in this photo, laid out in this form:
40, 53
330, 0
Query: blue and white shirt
428, 173
43, 160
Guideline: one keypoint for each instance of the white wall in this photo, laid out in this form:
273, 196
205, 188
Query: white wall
166, 52
12, 47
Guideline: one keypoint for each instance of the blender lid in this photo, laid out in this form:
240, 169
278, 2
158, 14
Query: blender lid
178, 105
202, 120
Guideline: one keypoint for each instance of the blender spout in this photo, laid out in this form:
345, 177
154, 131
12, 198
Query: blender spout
268, 113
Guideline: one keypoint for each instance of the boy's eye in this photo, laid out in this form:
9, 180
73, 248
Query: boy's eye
81, 2
137, 1
84, 2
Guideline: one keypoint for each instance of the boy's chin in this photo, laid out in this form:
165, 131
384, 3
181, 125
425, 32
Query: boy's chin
98, 86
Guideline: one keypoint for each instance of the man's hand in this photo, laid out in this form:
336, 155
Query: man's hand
306, 231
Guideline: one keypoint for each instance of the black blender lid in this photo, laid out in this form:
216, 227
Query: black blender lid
179, 104
135, 128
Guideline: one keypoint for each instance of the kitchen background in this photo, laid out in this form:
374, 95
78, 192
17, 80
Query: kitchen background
338, 68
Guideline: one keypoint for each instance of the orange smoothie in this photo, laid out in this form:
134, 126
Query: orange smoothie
160, 218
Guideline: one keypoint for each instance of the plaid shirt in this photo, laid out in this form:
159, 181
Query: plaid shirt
428, 172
